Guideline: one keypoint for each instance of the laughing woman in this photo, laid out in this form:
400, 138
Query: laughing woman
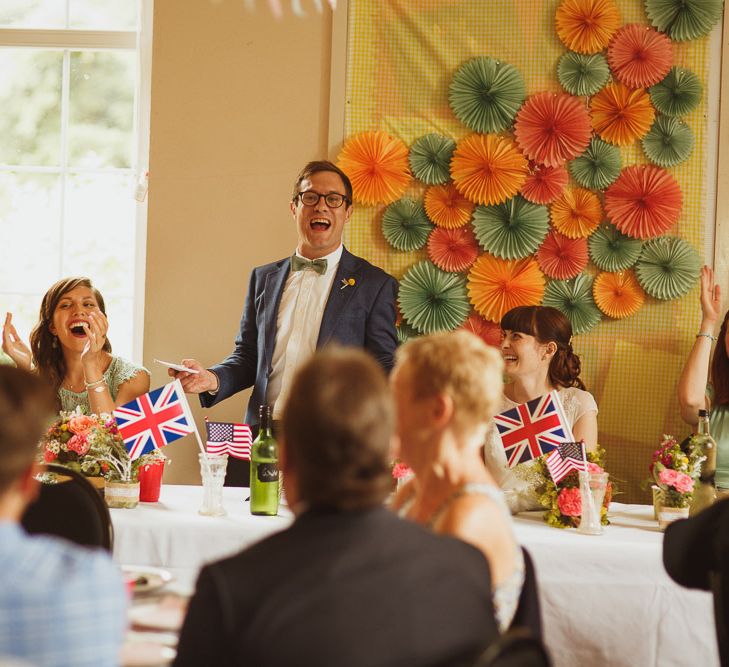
69, 348
538, 358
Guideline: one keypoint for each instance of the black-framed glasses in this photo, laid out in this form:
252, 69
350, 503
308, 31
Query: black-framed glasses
332, 199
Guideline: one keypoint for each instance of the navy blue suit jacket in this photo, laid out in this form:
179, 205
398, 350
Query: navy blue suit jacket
361, 315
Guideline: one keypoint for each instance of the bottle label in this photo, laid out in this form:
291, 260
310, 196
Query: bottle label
267, 472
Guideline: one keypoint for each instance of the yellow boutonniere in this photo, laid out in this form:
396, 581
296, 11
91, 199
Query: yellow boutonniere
347, 282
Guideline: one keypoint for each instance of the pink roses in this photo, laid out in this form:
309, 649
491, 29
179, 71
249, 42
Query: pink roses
569, 501
78, 444
82, 424
678, 480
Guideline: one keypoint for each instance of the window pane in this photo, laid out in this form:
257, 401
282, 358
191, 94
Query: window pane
101, 109
120, 312
103, 14
30, 107
32, 13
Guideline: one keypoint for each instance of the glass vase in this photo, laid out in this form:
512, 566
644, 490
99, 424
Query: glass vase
667, 515
592, 493
212, 471
121, 494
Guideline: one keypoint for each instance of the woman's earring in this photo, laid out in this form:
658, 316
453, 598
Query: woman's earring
55, 341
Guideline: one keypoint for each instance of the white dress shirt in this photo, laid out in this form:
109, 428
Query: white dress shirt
304, 298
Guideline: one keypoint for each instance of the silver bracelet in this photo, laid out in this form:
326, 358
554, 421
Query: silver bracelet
706, 335
90, 385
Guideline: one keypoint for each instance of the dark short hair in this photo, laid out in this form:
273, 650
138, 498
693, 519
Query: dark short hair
322, 165
26, 406
337, 426
720, 367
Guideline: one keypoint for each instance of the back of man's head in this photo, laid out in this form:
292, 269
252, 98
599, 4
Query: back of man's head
26, 403
337, 426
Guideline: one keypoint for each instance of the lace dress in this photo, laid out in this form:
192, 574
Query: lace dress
118, 373
521, 483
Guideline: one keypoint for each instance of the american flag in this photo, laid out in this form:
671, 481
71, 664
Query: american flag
229, 438
567, 457
533, 428
154, 420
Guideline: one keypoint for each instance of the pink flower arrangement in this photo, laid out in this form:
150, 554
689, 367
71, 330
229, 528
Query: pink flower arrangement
674, 469
569, 502
82, 424
78, 444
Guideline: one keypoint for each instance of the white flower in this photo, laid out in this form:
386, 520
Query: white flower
54, 446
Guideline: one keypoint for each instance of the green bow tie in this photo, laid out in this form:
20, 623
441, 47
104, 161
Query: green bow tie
299, 264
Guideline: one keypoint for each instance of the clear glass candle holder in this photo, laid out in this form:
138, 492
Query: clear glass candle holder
592, 492
212, 471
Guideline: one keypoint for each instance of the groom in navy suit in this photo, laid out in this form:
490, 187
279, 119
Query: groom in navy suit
294, 306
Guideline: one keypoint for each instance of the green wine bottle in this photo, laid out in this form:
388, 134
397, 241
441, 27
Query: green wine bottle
705, 487
264, 468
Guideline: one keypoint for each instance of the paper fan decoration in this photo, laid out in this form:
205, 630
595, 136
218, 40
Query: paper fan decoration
618, 295
586, 26
498, 285
488, 169
489, 332
405, 332
644, 202
639, 56
684, 19
405, 225
377, 165
678, 94
552, 128
511, 230
485, 94
432, 300
560, 257
668, 267
430, 157
621, 115
581, 74
452, 249
611, 250
598, 166
544, 184
577, 213
574, 299
446, 207
668, 142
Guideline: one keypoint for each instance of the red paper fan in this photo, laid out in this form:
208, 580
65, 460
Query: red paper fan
544, 184
489, 332
551, 128
561, 257
644, 202
640, 56
452, 249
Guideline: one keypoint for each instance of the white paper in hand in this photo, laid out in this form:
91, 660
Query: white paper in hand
177, 367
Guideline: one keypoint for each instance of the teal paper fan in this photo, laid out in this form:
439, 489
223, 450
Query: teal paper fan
582, 74
611, 250
432, 300
678, 93
511, 230
405, 225
574, 299
668, 142
682, 20
405, 332
598, 166
430, 158
668, 267
485, 94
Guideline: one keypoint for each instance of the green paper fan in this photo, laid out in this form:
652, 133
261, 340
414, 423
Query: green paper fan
582, 74
678, 93
405, 333
485, 94
432, 300
405, 225
430, 158
668, 142
682, 20
511, 230
611, 250
668, 267
598, 166
574, 299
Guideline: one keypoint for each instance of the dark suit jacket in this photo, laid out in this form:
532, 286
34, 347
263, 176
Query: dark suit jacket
361, 315
335, 589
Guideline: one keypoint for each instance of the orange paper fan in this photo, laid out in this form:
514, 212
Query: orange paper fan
498, 285
577, 213
619, 294
561, 257
551, 128
640, 56
621, 115
489, 332
377, 164
544, 184
586, 26
452, 249
446, 207
488, 169
644, 202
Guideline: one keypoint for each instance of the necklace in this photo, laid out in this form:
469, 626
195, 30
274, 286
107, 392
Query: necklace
70, 386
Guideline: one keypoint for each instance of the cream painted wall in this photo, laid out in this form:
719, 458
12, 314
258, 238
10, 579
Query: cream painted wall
239, 104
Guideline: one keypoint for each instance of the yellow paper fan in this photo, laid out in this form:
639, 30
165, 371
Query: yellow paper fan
577, 213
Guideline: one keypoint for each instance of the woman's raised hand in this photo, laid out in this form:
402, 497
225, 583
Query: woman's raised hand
15, 348
96, 337
710, 296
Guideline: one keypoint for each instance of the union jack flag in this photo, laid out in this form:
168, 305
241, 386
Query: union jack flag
533, 428
154, 420
567, 457
229, 438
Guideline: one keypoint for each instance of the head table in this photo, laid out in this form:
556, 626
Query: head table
606, 600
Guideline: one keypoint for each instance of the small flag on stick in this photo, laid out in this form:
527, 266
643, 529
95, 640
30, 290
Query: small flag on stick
567, 457
229, 438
